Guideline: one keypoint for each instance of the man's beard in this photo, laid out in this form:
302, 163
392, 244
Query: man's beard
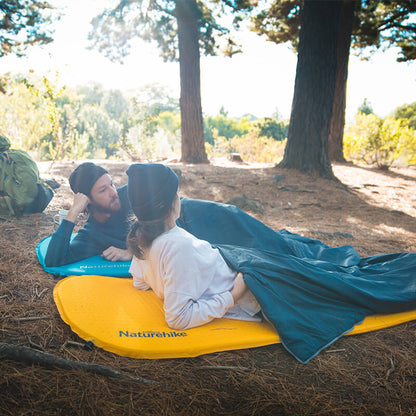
111, 208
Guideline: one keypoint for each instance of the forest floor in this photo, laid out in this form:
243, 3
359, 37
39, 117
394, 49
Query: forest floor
368, 374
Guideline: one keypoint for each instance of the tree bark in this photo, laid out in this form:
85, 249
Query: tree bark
336, 133
192, 128
307, 145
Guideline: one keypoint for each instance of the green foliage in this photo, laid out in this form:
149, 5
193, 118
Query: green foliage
115, 105
24, 23
23, 116
256, 140
254, 148
378, 23
380, 141
153, 137
103, 132
250, 146
151, 130
170, 121
155, 97
170, 126
56, 143
384, 23
90, 94
222, 126
365, 108
50, 94
269, 127
53, 122
407, 113
280, 22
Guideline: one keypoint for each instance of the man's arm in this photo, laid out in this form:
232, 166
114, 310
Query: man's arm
61, 250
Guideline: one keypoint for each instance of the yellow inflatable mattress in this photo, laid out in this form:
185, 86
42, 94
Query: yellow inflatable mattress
115, 316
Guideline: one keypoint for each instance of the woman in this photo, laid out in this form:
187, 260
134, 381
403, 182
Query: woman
190, 276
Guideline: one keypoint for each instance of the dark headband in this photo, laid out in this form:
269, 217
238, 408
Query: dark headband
83, 178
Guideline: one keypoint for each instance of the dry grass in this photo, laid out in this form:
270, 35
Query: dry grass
370, 374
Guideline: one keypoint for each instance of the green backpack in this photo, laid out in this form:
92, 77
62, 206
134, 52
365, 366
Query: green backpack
21, 189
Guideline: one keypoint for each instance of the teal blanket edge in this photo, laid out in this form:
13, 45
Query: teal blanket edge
95, 265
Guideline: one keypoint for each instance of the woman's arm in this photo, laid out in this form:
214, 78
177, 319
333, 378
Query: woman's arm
136, 270
183, 311
187, 274
240, 287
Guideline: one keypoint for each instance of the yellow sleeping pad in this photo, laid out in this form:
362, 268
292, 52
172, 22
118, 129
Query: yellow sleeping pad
115, 316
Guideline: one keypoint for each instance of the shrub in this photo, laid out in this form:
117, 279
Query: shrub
251, 147
269, 127
379, 141
224, 127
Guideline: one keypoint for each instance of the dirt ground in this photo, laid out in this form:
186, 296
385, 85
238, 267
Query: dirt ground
369, 374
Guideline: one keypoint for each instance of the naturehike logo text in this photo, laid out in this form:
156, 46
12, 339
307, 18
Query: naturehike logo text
152, 334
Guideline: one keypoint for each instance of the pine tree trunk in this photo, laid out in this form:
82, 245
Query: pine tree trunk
192, 128
336, 133
307, 145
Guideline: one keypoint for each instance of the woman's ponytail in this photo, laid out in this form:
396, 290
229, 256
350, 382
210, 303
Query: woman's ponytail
141, 236
142, 233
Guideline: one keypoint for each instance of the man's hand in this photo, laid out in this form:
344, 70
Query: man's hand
239, 287
79, 206
116, 254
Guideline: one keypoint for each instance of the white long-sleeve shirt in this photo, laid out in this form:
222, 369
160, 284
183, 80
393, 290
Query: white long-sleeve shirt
192, 279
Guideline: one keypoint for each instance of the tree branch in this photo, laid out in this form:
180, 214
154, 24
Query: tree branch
159, 8
31, 356
392, 21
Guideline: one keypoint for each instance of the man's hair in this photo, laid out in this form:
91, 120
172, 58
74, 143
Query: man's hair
83, 178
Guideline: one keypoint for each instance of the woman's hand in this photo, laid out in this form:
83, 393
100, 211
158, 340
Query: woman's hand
239, 287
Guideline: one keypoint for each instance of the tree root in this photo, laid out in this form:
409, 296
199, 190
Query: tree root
31, 356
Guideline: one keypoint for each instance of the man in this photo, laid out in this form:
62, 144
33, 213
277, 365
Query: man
107, 226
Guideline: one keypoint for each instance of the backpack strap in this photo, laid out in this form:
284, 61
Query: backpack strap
4, 157
9, 205
3, 168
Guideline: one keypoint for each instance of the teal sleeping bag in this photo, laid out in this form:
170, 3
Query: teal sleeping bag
312, 294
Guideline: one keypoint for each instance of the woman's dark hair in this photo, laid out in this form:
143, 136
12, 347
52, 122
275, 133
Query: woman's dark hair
142, 234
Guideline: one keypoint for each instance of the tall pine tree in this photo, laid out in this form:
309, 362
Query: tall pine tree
364, 25
310, 120
182, 29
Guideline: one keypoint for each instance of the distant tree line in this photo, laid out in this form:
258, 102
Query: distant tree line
55, 122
